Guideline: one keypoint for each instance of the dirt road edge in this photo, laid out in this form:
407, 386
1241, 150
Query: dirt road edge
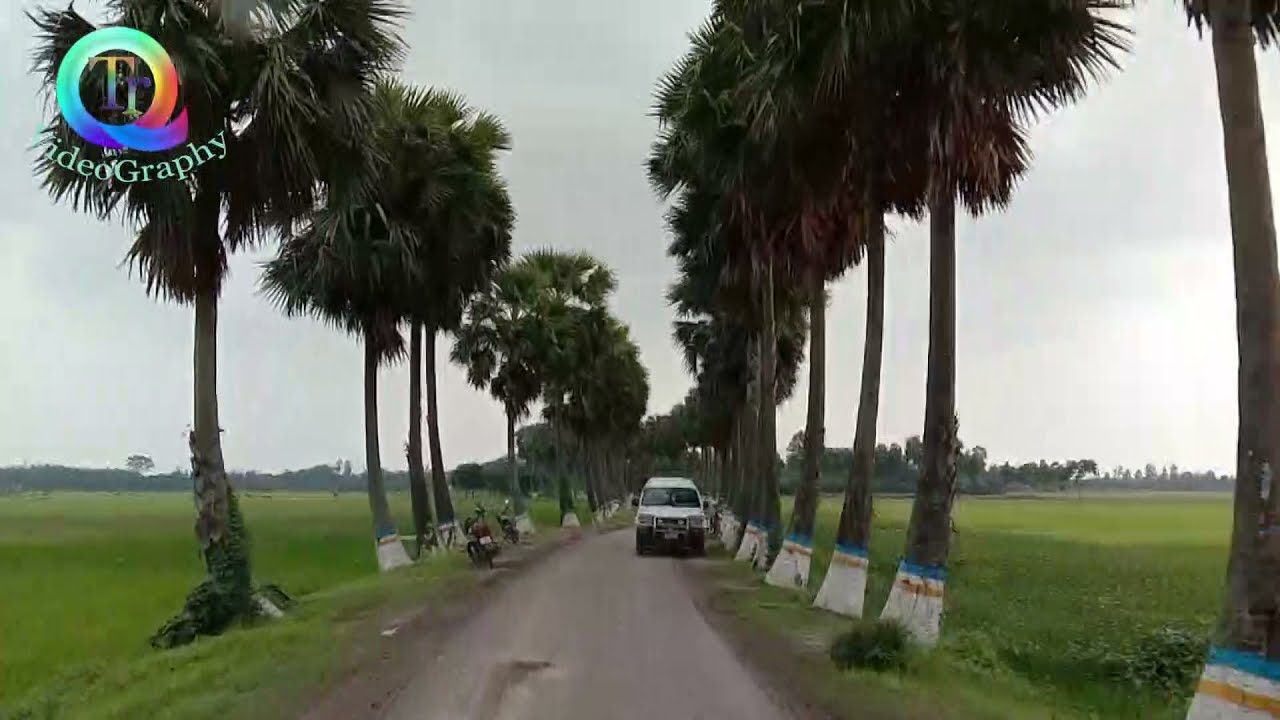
381, 665
790, 676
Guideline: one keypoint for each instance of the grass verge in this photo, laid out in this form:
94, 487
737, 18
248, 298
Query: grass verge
254, 672
1050, 608
86, 577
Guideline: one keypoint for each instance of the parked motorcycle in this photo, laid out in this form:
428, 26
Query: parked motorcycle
480, 545
508, 525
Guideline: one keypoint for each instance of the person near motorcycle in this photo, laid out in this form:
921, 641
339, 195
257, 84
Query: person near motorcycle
480, 545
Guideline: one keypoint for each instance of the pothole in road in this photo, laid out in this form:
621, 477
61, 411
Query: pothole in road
504, 679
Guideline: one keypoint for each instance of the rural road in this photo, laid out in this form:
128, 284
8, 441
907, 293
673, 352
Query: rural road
592, 632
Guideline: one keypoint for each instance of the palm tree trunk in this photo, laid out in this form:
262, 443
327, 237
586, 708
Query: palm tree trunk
732, 488
562, 473
390, 551
439, 483
854, 530
844, 587
589, 474
1250, 617
929, 536
916, 597
744, 460
417, 475
226, 552
513, 484
806, 506
770, 504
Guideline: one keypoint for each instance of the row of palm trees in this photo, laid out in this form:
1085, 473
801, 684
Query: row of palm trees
393, 223
791, 131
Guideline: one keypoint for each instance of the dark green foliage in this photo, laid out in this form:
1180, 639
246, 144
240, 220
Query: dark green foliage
873, 645
1168, 660
225, 595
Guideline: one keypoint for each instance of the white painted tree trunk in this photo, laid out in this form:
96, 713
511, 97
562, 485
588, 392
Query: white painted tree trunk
570, 520
750, 543
791, 568
761, 560
916, 601
266, 607
450, 536
1237, 686
728, 529
524, 525
391, 553
845, 586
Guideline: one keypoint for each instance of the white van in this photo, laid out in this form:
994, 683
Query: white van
670, 514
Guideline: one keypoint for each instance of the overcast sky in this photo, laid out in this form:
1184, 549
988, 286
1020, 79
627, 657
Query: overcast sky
1095, 315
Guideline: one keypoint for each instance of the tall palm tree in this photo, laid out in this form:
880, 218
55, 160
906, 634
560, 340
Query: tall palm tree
961, 79
751, 189
605, 398
287, 99
1250, 621
508, 333
970, 78
355, 262
978, 92
466, 219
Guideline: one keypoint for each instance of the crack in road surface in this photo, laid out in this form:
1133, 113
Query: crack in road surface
594, 632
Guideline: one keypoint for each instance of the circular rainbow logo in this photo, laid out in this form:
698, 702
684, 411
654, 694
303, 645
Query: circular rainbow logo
152, 131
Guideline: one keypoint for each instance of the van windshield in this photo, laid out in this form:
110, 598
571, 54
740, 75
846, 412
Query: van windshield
672, 497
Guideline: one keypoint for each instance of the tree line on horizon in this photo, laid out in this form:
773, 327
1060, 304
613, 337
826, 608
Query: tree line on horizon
897, 470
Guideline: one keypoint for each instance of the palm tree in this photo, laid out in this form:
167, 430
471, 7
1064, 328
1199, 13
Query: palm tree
604, 399
275, 94
508, 333
739, 186
978, 94
844, 587
968, 79
466, 219
355, 262
1250, 621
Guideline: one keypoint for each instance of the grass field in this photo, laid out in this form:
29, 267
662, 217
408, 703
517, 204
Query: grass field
1040, 590
1044, 592
86, 578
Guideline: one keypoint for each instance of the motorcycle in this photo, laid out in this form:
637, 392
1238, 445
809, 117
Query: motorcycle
508, 525
480, 545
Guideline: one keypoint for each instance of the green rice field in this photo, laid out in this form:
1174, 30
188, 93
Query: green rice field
1041, 591
85, 578
1049, 595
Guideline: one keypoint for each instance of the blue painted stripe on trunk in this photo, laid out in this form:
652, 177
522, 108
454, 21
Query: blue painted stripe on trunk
799, 539
934, 572
853, 550
1252, 663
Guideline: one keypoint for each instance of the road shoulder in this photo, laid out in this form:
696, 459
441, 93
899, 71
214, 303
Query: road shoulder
394, 643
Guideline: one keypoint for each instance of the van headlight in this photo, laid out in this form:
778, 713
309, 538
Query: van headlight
645, 520
697, 521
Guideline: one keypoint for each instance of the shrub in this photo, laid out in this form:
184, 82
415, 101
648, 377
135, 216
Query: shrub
1168, 660
975, 649
873, 645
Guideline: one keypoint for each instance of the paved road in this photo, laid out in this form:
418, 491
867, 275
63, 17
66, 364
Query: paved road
593, 632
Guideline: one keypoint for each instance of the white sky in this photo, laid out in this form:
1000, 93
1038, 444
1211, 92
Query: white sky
1095, 315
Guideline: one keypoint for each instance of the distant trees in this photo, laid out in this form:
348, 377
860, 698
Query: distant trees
469, 476
141, 464
897, 467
